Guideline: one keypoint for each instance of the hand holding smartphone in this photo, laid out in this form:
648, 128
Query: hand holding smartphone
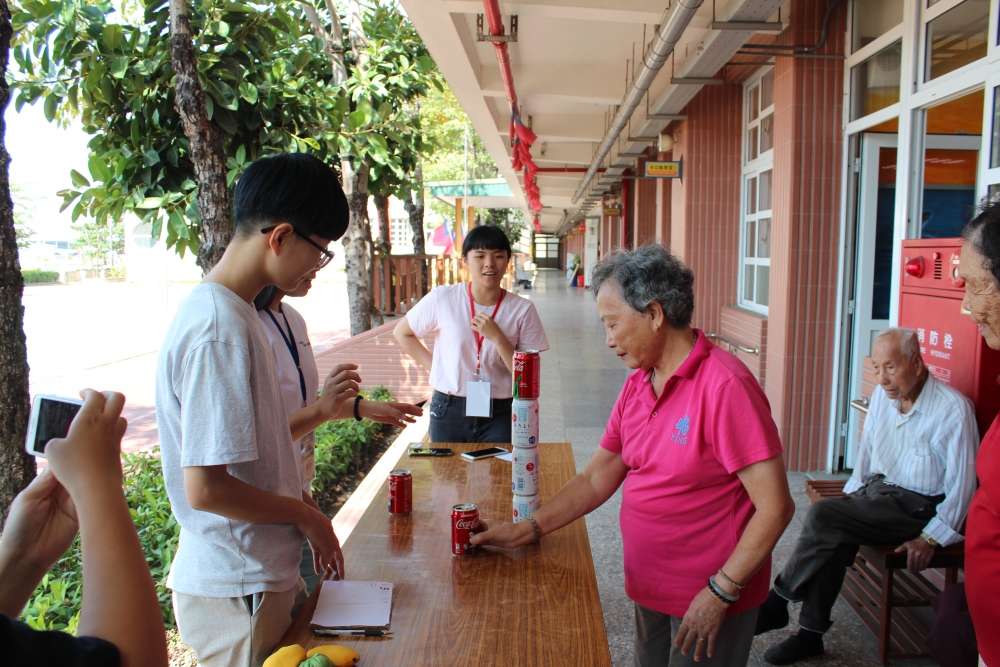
50, 418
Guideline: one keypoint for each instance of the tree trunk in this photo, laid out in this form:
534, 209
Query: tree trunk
415, 211
376, 313
356, 242
17, 467
384, 233
207, 153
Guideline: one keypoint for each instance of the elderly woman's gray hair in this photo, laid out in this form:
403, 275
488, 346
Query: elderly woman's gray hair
647, 274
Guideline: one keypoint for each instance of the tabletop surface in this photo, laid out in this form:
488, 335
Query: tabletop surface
535, 605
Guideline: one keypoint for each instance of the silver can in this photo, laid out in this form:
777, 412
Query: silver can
524, 422
525, 506
524, 471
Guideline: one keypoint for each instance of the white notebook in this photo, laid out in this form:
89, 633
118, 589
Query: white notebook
353, 604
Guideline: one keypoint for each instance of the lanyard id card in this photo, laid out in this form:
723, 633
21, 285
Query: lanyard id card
478, 395
478, 388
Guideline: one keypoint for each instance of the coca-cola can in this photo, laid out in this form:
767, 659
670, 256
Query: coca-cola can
524, 422
524, 471
464, 524
527, 374
525, 506
400, 492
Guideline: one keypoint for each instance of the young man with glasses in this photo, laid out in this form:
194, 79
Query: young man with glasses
230, 467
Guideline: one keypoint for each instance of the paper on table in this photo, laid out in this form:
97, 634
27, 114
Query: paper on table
353, 604
509, 457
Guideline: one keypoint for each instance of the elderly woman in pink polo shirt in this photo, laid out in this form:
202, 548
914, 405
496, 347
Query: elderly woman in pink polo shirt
692, 439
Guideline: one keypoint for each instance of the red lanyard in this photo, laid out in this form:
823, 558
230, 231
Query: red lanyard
479, 338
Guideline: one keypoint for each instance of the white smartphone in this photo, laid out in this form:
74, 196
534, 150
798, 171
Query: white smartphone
50, 418
484, 453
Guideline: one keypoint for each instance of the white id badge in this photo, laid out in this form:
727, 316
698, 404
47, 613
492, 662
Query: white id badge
478, 394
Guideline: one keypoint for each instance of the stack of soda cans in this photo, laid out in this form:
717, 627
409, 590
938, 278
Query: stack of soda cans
524, 433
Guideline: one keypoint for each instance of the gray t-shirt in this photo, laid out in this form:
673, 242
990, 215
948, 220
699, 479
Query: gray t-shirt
218, 402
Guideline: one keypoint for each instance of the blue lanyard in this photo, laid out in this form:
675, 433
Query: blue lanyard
292, 348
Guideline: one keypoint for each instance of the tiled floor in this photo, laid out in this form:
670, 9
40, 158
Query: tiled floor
581, 379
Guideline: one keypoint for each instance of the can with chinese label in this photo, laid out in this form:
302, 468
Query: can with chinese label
524, 422
464, 524
525, 506
400, 492
524, 475
527, 374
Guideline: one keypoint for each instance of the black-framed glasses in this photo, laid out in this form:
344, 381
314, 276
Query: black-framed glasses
324, 259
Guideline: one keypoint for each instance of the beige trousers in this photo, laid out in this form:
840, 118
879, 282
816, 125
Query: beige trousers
236, 632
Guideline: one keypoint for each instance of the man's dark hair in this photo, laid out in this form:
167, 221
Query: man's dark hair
983, 232
291, 187
486, 237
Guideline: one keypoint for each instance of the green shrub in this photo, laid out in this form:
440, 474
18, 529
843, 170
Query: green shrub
39, 276
341, 444
55, 604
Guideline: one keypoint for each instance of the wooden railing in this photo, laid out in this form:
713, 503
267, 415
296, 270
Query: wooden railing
402, 280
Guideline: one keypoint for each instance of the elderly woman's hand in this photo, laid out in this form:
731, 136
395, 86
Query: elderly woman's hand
505, 535
701, 624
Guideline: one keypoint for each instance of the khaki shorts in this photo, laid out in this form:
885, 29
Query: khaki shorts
236, 632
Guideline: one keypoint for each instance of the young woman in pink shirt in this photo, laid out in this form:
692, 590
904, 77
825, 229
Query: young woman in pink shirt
705, 496
477, 327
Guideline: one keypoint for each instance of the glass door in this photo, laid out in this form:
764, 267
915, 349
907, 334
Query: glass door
873, 273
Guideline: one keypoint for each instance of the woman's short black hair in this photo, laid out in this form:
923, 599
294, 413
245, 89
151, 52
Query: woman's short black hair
265, 297
291, 187
983, 232
486, 237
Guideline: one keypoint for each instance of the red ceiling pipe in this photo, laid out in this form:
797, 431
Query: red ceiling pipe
492, 8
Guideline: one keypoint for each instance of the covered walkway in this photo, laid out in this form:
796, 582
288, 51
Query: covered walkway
581, 379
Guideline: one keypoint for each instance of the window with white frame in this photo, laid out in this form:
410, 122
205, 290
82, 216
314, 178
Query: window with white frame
755, 224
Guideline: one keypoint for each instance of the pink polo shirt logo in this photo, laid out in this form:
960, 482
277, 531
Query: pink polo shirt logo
683, 425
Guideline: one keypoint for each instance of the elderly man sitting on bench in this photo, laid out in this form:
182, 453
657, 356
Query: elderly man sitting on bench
912, 485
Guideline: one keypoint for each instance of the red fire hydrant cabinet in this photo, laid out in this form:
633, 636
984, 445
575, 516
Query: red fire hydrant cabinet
930, 301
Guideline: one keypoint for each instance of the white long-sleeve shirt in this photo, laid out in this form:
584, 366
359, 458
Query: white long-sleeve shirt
930, 450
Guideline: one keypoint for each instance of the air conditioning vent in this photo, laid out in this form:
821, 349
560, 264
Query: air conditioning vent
937, 269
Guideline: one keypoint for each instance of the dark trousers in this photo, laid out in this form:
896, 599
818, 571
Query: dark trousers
449, 423
655, 634
878, 513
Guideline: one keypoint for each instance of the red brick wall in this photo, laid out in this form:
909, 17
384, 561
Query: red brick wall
381, 361
645, 210
750, 330
705, 222
805, 236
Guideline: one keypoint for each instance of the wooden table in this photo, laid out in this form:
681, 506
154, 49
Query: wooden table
535, 605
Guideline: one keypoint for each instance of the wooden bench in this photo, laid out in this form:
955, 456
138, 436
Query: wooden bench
884, 594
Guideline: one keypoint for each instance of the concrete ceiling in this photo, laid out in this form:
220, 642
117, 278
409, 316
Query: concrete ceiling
571, 67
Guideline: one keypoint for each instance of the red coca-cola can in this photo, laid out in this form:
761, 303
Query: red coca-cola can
527, 374
464, 524
400, 492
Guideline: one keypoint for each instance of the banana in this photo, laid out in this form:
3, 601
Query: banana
340, 656
288, 656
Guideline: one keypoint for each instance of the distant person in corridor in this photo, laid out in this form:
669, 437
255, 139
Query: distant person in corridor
911, 486
477, 327
980, 268
705, 495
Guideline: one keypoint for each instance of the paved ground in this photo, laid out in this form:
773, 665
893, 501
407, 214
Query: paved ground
581, 379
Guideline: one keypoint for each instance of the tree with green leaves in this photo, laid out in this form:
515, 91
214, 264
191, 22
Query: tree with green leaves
270, 86
17, 467
24, 213
101, 244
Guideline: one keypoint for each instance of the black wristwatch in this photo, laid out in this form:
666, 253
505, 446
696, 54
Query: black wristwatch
357, 400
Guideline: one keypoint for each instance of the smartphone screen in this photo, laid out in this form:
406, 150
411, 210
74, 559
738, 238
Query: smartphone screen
51, 418
484, 453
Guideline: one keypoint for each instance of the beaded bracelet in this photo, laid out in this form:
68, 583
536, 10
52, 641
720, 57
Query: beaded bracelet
732, 583
721, 594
